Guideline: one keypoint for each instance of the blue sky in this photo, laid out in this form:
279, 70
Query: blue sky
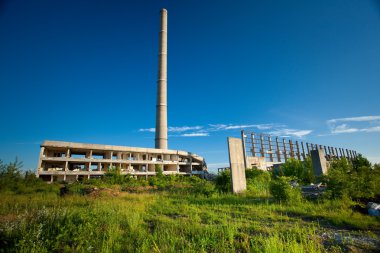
85, 71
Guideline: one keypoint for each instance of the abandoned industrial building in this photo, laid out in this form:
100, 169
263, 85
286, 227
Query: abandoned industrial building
67, 161
70, 161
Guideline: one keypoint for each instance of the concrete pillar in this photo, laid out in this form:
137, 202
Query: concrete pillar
326, 153
284, 147
42, 153
298, 150
243, 136
278, 150
307, 147
348, 154
270, 149
262, 151
319, 162
303, 151
161, 107
291, 149
253, 145
235, 152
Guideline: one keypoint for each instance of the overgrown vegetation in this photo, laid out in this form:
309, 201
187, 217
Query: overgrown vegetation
185, 214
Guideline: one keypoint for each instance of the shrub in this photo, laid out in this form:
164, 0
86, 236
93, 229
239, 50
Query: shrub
258, 181
302, 171
356, 180
223, 182
282, 191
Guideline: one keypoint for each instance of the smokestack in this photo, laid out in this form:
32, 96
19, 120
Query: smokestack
161, 106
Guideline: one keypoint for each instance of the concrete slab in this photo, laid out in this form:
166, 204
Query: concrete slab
236, 155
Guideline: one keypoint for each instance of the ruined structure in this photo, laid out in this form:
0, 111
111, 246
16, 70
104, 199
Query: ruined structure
69, 161
265, 151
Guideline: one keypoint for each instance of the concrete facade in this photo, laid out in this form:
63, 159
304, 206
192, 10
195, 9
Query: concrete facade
235, 151
161, 140
69, 161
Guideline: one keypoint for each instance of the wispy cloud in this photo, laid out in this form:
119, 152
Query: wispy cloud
290, 132
222, 127
355, 119
366, 124
204, 131
173, 129
184, 128
195, 134
152, 130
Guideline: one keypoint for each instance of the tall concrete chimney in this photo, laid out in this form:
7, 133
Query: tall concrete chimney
161, 106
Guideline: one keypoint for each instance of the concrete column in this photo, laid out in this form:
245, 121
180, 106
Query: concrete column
307, 147
42, 151
284, 147
326, 153
243, 136
303, 151
253, 145
336, 153
319, 162
270, 149
262, 151
298, 150
278, 150
161, 107
291, 149
348, 154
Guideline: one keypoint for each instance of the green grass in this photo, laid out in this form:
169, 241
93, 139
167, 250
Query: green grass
170, 222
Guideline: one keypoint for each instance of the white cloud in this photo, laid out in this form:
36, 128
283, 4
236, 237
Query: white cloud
203, 131
343, 128
184, 128
354, 119
152, 130
291, 132
196, 134
173, 129
223, 127
373, 129
361, 124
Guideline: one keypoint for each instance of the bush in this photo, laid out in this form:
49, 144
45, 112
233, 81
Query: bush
258, 181
356, 180
12, 179
282, 191
302, 171
223, 182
